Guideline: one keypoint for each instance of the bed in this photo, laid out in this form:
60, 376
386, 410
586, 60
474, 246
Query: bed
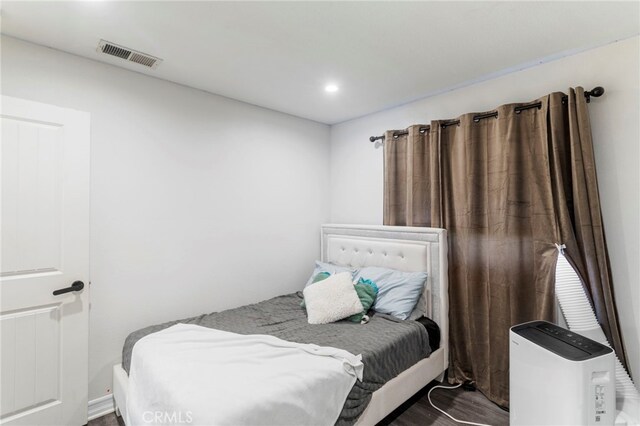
392, 378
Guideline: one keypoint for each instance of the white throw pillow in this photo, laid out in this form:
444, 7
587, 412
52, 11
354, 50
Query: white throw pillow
332, 299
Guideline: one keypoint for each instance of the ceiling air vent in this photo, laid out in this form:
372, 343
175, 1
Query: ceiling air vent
127, 54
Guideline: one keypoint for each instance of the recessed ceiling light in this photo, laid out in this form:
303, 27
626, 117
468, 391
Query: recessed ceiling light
331, 88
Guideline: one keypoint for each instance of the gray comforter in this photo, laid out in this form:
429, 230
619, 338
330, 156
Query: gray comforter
388, 346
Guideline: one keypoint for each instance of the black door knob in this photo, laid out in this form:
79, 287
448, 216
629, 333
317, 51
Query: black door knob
76, 286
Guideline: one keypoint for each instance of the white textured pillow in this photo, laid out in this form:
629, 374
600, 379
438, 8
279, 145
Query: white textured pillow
332, 299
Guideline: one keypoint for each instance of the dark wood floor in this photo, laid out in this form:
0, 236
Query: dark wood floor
464, 405
108, 420
470, 406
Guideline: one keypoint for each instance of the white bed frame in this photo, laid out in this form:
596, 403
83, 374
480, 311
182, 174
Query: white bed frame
408, 249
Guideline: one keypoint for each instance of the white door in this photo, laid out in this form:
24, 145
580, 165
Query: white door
45, 247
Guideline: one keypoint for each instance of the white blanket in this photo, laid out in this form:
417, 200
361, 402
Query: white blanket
187, 374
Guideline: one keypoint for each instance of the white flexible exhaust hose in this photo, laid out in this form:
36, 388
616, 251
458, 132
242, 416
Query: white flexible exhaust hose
579, 315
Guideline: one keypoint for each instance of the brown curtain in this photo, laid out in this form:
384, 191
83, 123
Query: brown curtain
507, 189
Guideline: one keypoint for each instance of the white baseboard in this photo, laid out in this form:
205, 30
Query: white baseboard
101, 406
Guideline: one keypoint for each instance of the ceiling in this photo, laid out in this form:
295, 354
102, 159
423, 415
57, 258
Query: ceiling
280, 55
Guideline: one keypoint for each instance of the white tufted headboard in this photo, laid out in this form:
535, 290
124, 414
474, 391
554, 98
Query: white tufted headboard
408, 249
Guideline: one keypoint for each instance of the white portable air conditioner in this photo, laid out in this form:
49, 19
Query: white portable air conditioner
558, 377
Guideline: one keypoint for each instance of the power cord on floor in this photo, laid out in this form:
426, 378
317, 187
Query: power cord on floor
444, 412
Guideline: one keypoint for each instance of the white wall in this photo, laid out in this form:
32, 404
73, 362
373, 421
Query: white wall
198, 202
356, 166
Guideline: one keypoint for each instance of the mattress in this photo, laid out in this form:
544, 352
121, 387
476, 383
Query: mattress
388, 346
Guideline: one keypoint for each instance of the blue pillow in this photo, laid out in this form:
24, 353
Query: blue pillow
398, 291
330, 268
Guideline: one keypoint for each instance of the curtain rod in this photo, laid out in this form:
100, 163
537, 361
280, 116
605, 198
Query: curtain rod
596, 93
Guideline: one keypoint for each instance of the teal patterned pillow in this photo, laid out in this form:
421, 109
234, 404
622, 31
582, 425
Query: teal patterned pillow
367, 292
